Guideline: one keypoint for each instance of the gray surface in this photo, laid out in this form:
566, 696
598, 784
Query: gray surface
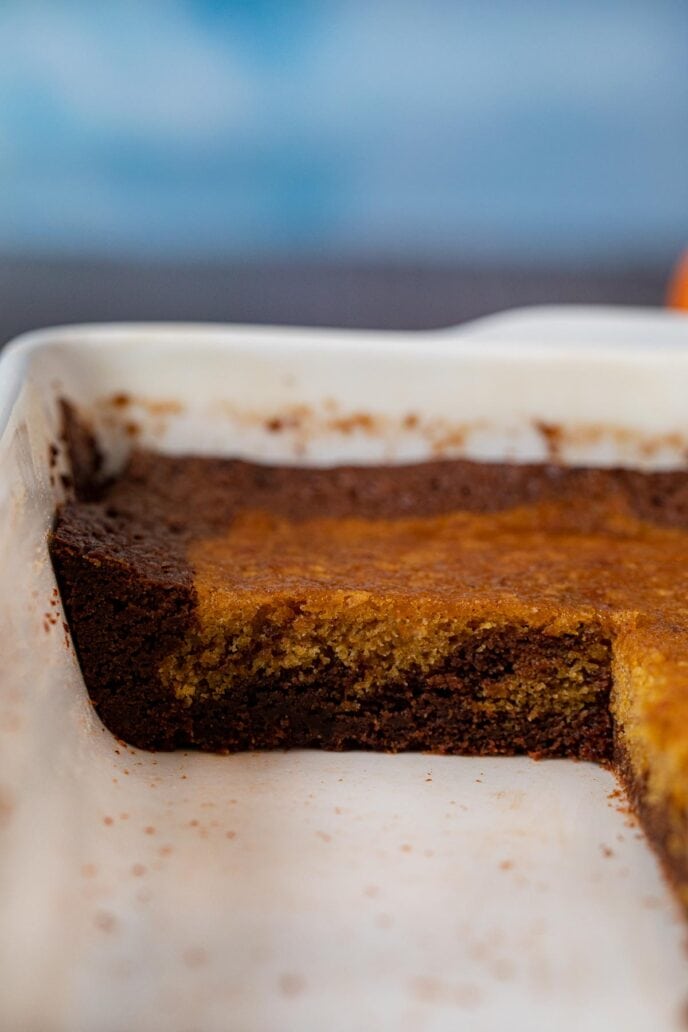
46, 292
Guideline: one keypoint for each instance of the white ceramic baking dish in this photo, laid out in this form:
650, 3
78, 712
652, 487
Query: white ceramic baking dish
306, 890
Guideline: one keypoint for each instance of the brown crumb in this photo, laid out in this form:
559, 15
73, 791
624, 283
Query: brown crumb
292, 984
105, 921
553, 437
195, 957
120, 400
348, 424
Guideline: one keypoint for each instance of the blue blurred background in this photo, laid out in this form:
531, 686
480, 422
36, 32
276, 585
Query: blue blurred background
498, 137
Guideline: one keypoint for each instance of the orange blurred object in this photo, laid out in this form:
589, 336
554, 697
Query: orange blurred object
677, 293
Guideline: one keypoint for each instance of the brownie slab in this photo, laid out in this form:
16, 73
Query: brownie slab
456, 607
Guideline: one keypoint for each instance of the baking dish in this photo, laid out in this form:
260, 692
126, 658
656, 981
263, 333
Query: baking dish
306, 890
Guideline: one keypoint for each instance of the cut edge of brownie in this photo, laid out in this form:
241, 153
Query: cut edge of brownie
497, 690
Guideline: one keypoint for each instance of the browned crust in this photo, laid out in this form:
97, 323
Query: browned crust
84, 457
